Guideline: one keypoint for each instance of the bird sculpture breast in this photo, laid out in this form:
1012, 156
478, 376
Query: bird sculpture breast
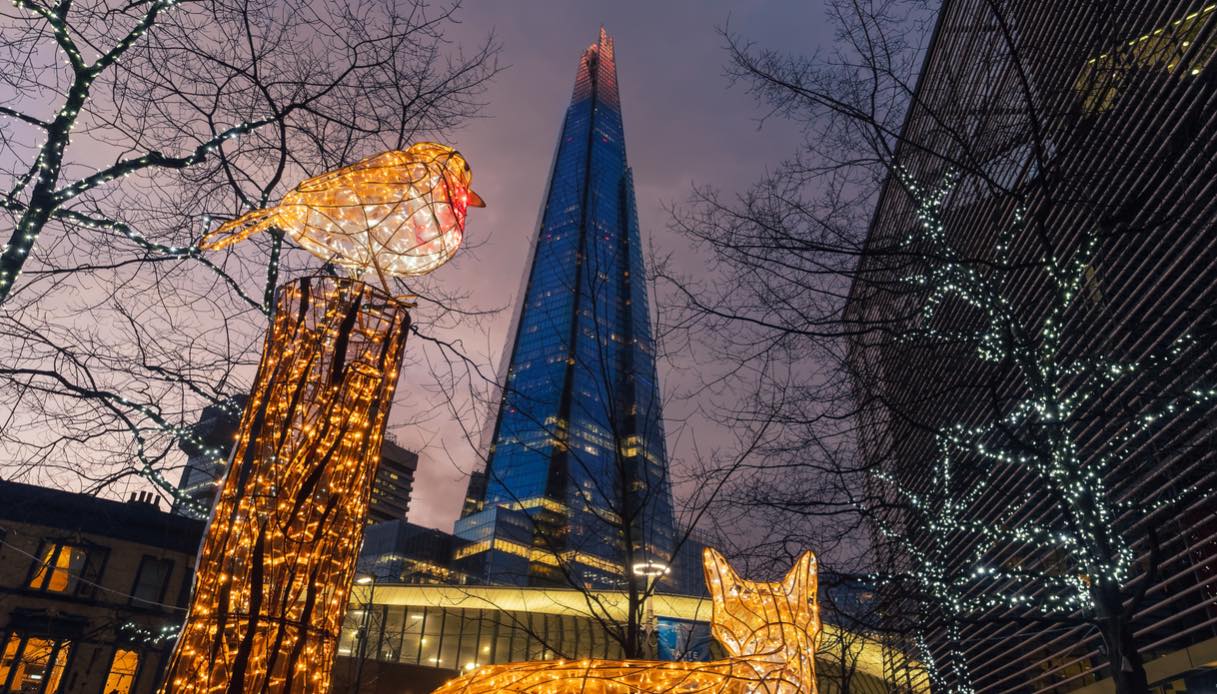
396, 214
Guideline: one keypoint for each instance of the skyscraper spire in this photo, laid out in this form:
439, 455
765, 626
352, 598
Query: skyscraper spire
576, 484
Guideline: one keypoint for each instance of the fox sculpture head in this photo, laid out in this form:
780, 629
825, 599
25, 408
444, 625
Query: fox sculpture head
776, 622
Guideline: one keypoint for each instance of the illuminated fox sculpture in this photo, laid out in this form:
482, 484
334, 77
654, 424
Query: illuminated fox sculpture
769, 631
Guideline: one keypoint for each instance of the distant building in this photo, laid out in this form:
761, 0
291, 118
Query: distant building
499, 546
401, 552
577, 451
475, 493
207, 451
393, 484
92, 588
209, 447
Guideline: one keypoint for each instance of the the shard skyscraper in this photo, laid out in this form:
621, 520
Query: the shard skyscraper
576, 484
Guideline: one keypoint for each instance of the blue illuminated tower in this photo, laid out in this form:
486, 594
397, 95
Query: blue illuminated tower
576, 485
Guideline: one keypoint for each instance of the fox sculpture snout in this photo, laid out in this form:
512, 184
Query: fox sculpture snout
769, 631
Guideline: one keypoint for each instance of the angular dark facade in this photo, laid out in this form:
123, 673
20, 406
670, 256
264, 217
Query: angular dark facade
206, 448
576, 484
398, 551
393, 484
1122, 134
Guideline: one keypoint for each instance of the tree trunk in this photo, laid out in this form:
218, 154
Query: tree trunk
1127, 667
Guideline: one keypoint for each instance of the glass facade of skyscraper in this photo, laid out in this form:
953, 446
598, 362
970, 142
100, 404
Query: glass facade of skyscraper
576, 484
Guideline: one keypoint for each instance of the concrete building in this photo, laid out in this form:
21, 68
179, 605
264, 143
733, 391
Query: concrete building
91, 589
393, 484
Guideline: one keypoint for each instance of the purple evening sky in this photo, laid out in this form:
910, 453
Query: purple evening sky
683, 126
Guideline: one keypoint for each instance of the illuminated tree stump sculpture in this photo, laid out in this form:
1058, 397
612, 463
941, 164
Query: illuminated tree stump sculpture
277, 564
278, 560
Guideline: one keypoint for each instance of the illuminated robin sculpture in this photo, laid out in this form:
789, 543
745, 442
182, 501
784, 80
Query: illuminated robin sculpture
397, 214
277, 564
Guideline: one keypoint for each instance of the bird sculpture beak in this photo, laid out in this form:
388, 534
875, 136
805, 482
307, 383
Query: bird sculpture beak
475, 200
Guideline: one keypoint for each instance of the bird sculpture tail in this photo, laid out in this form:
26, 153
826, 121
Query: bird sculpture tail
239, 229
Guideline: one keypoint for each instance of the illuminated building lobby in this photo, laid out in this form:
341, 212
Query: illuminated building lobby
421, 635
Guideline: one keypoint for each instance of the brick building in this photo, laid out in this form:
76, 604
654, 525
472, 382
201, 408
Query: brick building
89, 589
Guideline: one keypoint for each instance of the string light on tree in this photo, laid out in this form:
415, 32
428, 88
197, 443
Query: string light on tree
46, 198
963, 301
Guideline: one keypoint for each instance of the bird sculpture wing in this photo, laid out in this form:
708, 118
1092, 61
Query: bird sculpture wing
258, 221
339, 178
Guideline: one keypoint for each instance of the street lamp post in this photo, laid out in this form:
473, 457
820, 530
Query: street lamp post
650, 570
362, 634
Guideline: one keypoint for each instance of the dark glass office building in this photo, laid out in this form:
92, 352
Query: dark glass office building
1098, 120
576, 485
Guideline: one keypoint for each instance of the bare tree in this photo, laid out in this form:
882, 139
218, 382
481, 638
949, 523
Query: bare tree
997, 212
119, 330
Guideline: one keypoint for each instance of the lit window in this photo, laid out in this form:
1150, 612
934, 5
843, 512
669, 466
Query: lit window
59, 568
121, 678
1169, 48
470, 550
32, 664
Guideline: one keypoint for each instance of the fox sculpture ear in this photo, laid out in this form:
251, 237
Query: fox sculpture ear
802, 579
719, 574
